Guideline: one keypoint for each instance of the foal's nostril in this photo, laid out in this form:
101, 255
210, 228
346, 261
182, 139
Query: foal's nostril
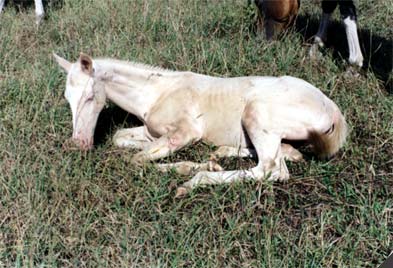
86, 144
83, 144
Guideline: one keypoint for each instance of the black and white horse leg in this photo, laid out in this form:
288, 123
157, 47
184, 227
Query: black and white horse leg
1, 5
320, 38
39, 11
348, 14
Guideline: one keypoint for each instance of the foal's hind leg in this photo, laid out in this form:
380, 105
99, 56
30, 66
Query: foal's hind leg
267, 142
270, 168
271, 164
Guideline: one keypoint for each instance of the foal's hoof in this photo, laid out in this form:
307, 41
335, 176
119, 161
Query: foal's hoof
214, 166
280, 174
122, 139
138, 159
294, 156
181, 192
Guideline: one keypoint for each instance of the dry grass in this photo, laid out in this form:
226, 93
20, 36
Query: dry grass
71, 209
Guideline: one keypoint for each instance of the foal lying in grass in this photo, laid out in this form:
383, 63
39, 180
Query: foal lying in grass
242, 115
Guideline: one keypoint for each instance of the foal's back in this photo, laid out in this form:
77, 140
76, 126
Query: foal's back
222, 101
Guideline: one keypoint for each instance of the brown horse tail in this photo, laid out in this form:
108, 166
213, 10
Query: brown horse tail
326, 144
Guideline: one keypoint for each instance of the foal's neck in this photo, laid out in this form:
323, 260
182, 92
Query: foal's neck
134, 87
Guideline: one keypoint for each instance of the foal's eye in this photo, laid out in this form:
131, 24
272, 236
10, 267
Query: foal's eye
90, 98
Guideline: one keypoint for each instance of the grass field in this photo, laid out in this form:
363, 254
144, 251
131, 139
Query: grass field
62, 208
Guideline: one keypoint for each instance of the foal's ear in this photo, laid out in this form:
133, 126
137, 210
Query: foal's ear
86, 63
65, 64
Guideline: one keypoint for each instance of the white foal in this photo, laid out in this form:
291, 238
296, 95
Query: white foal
39, 10
245, 116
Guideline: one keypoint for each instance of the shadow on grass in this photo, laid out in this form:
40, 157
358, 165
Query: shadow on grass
377, 51
112, 118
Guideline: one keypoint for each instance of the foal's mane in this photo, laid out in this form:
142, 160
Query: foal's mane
131, 64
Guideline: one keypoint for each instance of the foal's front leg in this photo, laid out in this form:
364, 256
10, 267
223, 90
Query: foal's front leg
134, 138
287, 151
188, 167
181, 135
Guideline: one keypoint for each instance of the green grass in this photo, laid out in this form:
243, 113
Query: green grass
63, 208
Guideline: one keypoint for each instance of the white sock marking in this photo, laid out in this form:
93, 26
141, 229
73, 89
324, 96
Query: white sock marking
355, 54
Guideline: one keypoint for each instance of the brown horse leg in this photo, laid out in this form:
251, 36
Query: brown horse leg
273, 28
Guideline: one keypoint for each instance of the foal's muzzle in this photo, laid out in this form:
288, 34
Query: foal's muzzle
84, 143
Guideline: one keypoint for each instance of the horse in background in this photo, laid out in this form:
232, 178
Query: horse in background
39, 10
276, 15
280, 14
244, 116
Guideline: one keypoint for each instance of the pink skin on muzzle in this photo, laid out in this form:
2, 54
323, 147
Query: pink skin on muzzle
83, 133
85, 142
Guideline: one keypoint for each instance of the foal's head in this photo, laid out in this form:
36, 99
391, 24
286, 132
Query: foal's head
86, 97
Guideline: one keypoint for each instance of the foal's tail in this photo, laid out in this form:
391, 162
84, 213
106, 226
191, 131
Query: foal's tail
327, 144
